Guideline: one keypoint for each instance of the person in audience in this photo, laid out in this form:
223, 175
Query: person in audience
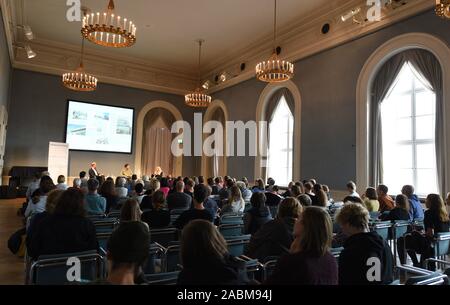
34, 207
128, 249
146, 203
76, 183
35, 220
370, 200
436, 221
146, 180
219, 182
34, 185
121, 190
67, 230
205, 257
201, 193
351, 188
259, 186
309, 261
321, 199
108, 191
296, 191
131, 212
84, 180
313, 181
309, 191
246, 193
415, 207
360, 247
201, 180
236, 203
94, 203
158, 216
139, 192
211, 204
386, 201
164, 186
400, 212
179, 200
126, 171
131, 184
326, 189
352, 199
212, 184
288, 193
62, 183
275, 237
304, 200
447, 203
224, 192
258, 215
189, 187
93, 171
270, 184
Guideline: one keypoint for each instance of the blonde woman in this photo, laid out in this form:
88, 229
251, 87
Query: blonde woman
236, 203
310, 261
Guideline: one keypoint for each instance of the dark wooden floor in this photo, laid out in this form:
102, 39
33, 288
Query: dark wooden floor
11, 266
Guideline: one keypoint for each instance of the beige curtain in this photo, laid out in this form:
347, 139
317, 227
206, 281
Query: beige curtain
215, 165
156, 148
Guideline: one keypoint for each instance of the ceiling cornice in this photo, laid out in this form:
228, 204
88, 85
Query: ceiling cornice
298, 40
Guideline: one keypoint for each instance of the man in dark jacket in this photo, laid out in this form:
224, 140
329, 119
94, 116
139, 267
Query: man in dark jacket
366, 258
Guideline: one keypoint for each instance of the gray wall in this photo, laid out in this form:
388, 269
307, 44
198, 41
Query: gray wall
5, 66
327, 83
38, 116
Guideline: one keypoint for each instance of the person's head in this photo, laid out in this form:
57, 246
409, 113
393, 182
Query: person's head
190, 184
353, 218
46, 185
241, 185
308, 187
382, 190
304, 200
146, 178
71, 203
210, 181
325, 188
108, 188
201, 179
93, 165
371, 193
235, 194
313, 181
77, 183
139, 188
289, 208
408, 190
127, 250
120, 182
230, 183
134, 177
352, 199
401, 201
126, 166
179, 186
36, 196
195, 179
271, 182
245, 180
130, 211
199, 240
218, 180
93, 185
296, 191
351, 187
313, 232
61, 179
52, 200
155, 184
317, 188
301, 186
322, 198
158, 200
37, 176
260, 184
201, 193
82, 175
447, 200
436, 205
258, 200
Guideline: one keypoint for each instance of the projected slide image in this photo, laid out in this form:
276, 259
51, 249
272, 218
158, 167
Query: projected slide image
78, 130
123, 127
79, 115
103, 141
102, 116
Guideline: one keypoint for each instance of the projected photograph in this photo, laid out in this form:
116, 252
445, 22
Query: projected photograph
102, 116
102, 141
123, 127
79, 115
76, 130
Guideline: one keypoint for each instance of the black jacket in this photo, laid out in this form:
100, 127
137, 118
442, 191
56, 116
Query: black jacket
355, 264
255, 218
207, 271
179, 200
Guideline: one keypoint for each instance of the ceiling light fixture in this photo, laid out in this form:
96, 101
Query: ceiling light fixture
198, 98
109, 30
443, 8
79, 80
274, 70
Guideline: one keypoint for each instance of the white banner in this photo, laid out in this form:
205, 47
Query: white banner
58, 160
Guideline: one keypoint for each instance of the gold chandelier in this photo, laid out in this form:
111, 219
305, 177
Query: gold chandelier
274, 70
443, 8
198, 98
109, 30
80, 80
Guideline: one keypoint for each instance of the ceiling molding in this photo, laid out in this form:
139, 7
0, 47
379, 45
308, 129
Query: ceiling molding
298, 40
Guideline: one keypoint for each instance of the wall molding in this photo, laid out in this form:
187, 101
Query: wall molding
392, 47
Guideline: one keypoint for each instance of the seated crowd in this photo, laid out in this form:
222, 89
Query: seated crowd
293, 226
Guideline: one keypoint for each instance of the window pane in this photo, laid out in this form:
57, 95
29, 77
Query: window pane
425, 127
403, 156
426, 182
404, 80
402, 105
403, 129
425, 103
426, 156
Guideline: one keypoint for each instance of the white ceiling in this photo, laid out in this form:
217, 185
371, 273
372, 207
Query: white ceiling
167, 29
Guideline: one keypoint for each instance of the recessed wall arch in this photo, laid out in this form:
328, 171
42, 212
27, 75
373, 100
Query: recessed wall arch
264, 98
178, 166
368, 73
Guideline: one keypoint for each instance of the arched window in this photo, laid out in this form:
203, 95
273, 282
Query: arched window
408, 116
281, 143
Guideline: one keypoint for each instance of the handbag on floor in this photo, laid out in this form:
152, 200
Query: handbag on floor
16, 243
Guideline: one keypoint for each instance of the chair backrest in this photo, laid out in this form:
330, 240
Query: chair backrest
169, 278
336, 252
442, 245
232, 219
163, 236
105, 225
269, 267
171, 260
114, 214
272, 199
177, 212
57, 269
435, 278
156, 252
96, 217
374, 215
102, 239
382, 228
231, 230
400, 228
236, 244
